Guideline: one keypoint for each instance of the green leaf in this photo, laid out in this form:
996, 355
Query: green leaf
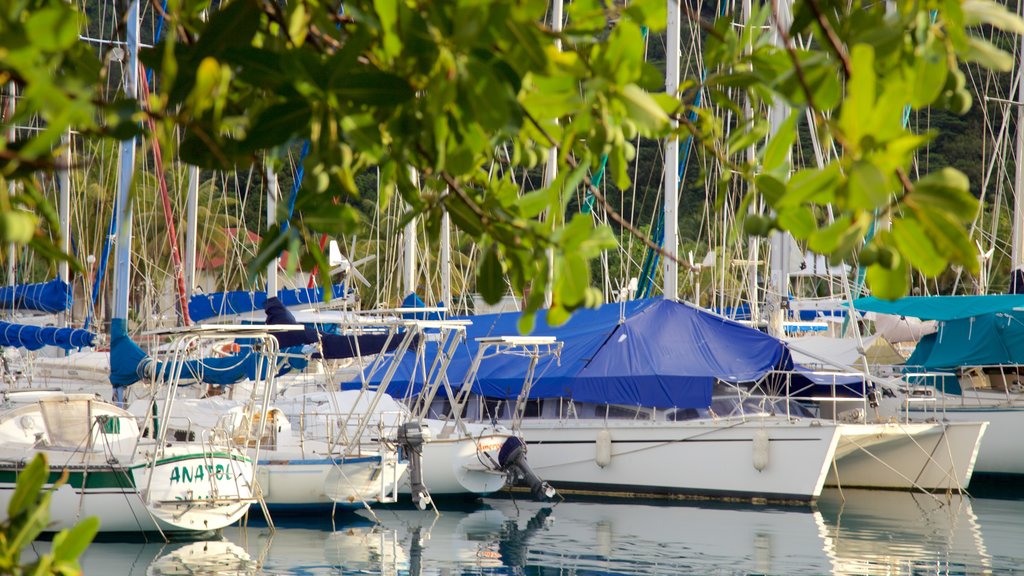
798, 220
30, 483
18, 226
992, 13
777, 152
770, 187
557, 315
811, 185
573, 280
988, 55
947, 189
490, 280
888, 284
826, 240
375, 88
930, 69
866, 186
651, 13
278, 124
68, 545
860, 93
916, 247
644, 110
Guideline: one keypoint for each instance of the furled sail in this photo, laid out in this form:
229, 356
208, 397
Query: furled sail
35, 337
204, 306
53, 296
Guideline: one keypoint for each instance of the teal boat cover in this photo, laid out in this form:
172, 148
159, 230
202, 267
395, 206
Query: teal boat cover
942, 307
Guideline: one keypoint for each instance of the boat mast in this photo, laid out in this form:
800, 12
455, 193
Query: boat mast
409, 251
753, 243
64, 215
778, 289
551, 168
446, 260
273, 193
191, 230
1017, 245
671, 192
12, 98
123, 249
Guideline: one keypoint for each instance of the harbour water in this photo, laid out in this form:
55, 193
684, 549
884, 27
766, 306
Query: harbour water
854, 532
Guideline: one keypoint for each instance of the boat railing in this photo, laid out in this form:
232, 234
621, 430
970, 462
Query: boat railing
338, 429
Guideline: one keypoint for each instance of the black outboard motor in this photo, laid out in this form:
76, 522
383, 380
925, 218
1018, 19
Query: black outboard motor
412, 436
512, 460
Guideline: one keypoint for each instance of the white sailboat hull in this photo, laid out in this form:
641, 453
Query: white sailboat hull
180, 497
1001, 451
907, 456
698, 457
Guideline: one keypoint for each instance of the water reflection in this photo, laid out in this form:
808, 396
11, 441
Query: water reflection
856, 532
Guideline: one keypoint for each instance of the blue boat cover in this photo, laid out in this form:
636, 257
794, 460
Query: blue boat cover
942, 307
35, 337
128, 363
205, 306
649, 352
53, 296
333, 346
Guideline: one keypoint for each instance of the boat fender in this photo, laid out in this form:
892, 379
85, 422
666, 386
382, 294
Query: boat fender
512, 461
603, 455
761, 443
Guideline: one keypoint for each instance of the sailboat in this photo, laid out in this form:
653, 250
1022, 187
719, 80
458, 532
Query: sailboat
124, 471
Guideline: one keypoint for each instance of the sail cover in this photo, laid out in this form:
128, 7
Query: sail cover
332, 346
644, 352
53, 296
35, 337
129, 364
205, 306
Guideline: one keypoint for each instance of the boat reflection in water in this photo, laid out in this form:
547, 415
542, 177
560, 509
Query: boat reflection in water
882, 532
870, 532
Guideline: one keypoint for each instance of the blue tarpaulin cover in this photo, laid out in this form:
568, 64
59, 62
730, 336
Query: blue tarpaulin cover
662, 354
333, 346
35, 337
942, 307
53, 296
205, 306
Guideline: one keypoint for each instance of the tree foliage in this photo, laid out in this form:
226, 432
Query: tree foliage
438, 89
28, 514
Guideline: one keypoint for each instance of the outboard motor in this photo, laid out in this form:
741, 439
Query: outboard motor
512, 461
412, 436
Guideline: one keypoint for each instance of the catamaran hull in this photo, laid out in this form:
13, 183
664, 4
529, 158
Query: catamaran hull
907, 456
1001, 450
701, 458
180, 496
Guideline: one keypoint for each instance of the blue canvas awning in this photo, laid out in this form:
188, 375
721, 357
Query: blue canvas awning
205, 306
53, 296
644, 353
35, 337
942, 307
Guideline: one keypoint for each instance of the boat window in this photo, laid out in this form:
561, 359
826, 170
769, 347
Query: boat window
623, 412
680, 414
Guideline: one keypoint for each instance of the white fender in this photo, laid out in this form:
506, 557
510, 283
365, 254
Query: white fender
761, 444
603, 452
